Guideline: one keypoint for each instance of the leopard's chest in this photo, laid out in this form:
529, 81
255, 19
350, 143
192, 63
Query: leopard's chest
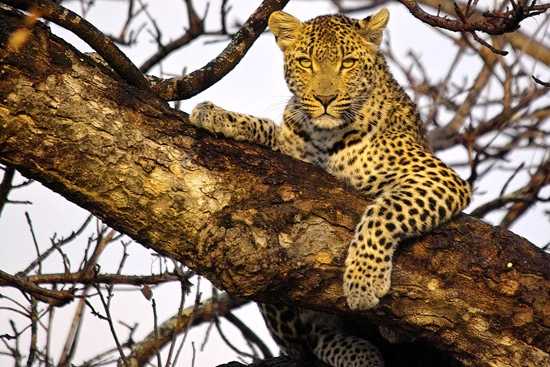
352, 161
364, 167
352, 155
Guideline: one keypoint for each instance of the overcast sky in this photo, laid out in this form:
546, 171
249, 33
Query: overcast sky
256, 86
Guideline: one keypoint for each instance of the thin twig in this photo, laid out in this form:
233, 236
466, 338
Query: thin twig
34, 336
56, 244
109, 320
35, 242
156, 330
196, 28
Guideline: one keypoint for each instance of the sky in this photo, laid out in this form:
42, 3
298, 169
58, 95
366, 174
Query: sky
255, 86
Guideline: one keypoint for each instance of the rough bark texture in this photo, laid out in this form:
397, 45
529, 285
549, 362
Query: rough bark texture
257, 224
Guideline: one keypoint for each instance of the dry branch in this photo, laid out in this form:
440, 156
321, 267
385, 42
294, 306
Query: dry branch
83, 277
145, 349
518, 39
491, 22
189, 85
529, 193
5, 186
42, 294
257, 224
196, 28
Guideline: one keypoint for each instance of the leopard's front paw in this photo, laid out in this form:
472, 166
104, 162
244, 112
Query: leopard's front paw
203, 115
366, 283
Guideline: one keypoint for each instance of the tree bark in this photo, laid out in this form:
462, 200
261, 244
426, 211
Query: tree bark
256, 223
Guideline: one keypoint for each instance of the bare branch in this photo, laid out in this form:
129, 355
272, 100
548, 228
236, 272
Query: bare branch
57, 298
539, 179
83, 277
6, 186
248, 334
493, 23
34, 331
196, 28
446, 136
189, 85
34, 241
71, 341
109, 319
519, 40
56, 245
148, 347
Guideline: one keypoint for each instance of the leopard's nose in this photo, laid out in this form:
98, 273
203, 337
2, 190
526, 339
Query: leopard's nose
325, 100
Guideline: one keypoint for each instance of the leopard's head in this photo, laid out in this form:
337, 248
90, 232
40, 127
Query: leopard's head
329, 63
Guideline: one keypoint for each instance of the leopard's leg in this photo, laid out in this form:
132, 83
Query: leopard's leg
332, 345
304, 334
340, 350
287, 329
416, 203
234, 125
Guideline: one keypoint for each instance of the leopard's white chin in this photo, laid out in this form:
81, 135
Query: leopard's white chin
326, 121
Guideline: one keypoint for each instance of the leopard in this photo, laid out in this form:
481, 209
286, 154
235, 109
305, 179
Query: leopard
348, 115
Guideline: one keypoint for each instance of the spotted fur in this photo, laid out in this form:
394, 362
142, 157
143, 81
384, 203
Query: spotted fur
349, 116
306, 334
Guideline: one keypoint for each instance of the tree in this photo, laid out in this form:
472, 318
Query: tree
96, 130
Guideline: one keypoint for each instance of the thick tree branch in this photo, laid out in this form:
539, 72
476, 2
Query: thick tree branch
257, 224
88, 33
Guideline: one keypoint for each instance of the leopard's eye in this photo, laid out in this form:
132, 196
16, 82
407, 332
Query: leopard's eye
304, 62
348, 63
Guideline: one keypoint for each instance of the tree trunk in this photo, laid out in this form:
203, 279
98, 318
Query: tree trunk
256, 223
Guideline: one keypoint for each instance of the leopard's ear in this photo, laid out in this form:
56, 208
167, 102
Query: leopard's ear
285, 27
373, 26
